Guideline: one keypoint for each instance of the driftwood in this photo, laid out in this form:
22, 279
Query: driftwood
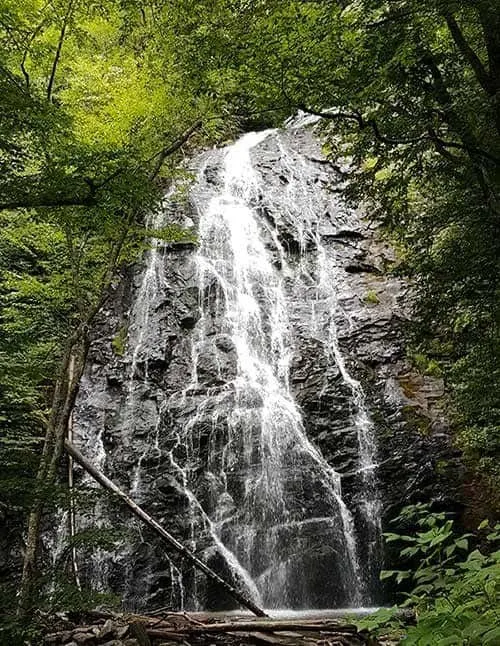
158, 529
183, 628
269, 625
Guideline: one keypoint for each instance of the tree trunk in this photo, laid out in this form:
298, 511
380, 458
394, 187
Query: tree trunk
158, 529
72, 510
63, 400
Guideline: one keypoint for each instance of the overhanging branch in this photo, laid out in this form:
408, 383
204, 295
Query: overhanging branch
363, 123
160, 156
28, 193
430, 135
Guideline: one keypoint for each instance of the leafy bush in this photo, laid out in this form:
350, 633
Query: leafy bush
455, 587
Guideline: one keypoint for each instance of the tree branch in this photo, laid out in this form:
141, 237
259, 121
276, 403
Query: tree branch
105, 482
430, 135
27, 50
490, 23
161, 155
469, 54
172, 148
85, 189
363, 123
13, 79
57, 56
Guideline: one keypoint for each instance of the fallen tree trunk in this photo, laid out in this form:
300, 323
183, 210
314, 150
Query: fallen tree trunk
158, 529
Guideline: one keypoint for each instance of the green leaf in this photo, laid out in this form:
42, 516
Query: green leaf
370, 163
383, 174
391, 538
492, 637
402, 575
386, 574
462, 544
449, 641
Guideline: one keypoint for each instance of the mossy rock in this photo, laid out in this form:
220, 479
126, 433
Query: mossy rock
416, 422
119, 342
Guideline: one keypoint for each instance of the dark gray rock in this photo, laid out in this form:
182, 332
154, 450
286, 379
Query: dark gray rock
84, 638
133, 409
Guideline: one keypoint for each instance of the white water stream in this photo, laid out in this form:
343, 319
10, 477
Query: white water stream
258, 446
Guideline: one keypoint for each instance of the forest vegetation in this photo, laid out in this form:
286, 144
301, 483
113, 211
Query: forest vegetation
101, 101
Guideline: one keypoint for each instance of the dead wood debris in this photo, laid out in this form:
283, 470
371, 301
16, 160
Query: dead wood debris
202, 629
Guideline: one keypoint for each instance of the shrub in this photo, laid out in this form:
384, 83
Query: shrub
455, 587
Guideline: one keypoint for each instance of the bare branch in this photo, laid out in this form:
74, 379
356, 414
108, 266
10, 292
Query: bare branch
172, 148
57, 56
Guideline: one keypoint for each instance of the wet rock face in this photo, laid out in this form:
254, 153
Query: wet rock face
151, 416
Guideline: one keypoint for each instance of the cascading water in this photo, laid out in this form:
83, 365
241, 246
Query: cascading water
211, 421
300, 210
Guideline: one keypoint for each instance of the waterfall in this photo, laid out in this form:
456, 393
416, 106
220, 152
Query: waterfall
212, 417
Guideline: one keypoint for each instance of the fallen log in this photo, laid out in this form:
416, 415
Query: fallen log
158, 529
259, 626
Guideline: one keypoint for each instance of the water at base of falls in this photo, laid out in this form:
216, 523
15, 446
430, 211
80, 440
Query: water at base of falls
260, 503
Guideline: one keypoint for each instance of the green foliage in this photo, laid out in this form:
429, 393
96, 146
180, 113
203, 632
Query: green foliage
454, 586
119, 342
371, 297
425, 365
13, 631
66, 596
384, 622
